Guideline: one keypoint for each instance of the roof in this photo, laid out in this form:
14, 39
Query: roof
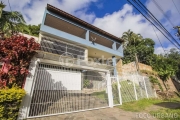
81, 22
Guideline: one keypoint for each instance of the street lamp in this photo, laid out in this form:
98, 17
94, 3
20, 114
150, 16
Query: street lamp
1, 8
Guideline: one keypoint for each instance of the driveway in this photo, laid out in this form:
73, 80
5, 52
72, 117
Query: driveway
101, 114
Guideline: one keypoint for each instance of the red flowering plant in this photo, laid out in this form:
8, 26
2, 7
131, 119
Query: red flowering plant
16, 53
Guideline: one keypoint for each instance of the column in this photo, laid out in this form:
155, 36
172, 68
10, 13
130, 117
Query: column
114, 65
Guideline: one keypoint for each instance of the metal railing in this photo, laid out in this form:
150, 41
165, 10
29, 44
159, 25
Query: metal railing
52, 94
71, 62
135, 87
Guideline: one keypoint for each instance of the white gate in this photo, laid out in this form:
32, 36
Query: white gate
116, 91
59, 90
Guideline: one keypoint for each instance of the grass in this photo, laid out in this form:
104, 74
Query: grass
127, 91
140, 105
165, 112
101, 95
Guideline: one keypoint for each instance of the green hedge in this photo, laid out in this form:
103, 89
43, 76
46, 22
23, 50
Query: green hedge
10, 101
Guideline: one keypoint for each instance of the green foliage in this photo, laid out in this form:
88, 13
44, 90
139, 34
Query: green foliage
11, 23
10, 100
115, 93
86, 83
164, 67
135, 43
155, 81
32, 30
149, 72
101, 95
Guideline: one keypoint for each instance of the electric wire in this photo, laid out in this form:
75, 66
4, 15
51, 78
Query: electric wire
157, 21
162, 11
9, 5
176, 7
158, 38
154, 25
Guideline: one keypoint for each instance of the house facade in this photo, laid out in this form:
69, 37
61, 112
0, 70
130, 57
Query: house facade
73, 70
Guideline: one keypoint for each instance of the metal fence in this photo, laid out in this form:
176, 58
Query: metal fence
135, 87
59, 90
73, 90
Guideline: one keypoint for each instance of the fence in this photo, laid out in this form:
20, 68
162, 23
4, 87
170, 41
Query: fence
135, 87
62, 90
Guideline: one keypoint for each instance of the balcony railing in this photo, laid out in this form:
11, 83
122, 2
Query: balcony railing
68, 61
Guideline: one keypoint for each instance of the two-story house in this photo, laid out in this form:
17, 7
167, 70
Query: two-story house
72, 70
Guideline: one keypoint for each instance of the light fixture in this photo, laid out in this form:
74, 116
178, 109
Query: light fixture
93, 40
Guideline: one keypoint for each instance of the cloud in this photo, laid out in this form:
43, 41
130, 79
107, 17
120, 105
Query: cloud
125, 19
115, 23
169, 10
33, 10
160, 50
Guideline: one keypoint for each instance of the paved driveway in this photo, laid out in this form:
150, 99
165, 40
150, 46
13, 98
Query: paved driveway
101, 114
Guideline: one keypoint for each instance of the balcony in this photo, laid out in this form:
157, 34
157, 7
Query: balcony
67, 54
74, 33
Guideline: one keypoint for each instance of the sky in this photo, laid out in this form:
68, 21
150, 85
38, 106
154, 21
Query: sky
113, 16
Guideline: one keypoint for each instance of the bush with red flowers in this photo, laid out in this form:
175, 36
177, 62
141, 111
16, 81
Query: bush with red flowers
16, 53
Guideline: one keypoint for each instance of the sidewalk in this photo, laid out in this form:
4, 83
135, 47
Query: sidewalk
101, 114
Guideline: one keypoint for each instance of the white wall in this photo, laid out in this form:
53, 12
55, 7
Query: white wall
57, 80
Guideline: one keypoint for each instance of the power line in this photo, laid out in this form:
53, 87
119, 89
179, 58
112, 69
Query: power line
153, 24
158, 38
9, 6
159, 7
157, 22
176, 7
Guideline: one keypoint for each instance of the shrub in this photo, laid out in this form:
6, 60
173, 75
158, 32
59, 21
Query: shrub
10, 101
16, 53
155, 81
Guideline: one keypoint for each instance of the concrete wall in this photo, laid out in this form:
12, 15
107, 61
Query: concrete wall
130, 67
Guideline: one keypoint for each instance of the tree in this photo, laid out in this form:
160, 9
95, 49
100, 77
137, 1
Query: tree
164, 66
11, 23
33, 30
1, 8
135, 43
174, 55
126, 37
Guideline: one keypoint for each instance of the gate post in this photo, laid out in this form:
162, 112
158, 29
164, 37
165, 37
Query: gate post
109, 90
24, 109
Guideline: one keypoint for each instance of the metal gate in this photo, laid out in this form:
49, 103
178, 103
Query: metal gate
59, 90
116, 91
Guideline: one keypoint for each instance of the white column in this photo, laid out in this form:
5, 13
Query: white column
145, 87
24, 109
86, 55
87, 35
134, 88
109, 89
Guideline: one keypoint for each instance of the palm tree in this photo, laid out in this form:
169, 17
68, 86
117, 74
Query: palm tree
131, 38
127, 37
11, 23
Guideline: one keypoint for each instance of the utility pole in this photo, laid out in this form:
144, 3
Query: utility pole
137, 63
